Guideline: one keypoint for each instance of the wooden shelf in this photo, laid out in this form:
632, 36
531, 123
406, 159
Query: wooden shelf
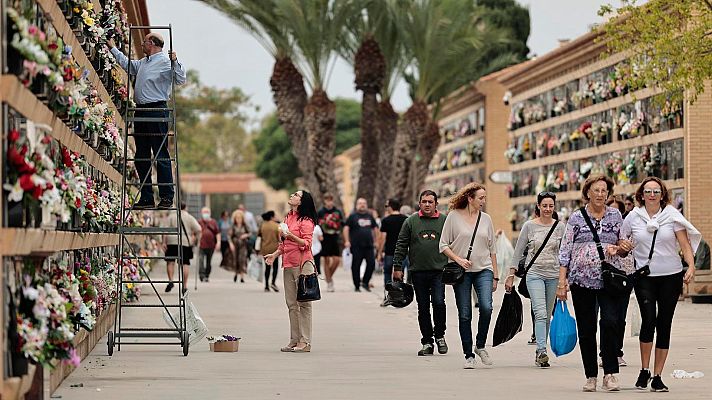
459, 142
671, 184
63, 29
24, 101
586, 112
598, 150
454, 172
22, 241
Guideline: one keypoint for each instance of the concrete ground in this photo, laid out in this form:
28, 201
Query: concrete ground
360, 351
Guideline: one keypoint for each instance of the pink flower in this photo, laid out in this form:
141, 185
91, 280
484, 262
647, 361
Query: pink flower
73, 357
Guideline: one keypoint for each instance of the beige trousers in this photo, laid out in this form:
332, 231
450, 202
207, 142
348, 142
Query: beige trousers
300, 314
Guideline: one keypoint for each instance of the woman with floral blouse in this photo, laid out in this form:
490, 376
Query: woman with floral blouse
580, 272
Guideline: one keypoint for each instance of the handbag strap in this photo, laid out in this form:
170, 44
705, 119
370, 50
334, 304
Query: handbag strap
596, 239
652, 246
472, 240
543, 244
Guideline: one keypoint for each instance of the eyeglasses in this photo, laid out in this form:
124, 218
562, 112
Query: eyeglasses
296, 194
600, 191
654, 192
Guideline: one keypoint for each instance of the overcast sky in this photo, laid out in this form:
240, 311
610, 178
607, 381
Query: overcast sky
226, 56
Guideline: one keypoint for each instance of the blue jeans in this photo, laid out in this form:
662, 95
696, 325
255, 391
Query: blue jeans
387, 269
429, 288
543, 296
482, 282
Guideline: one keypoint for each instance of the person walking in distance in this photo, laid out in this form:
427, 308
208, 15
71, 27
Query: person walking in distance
316, 247
390, 228
331, 220
657, 225
224, 224
541, 238
360, 232
296, 250
152, 90
465, 217
419, 239
191, 234
252, 228
209, 241
269, 232
239, 244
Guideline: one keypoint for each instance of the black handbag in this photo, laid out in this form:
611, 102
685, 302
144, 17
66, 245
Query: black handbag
308, 285
453, 273
645, 270
615, 281
522, 270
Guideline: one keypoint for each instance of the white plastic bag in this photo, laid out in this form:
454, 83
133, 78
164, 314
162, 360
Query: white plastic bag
505, 253
682, 374
194, 324
256, 268
347, 259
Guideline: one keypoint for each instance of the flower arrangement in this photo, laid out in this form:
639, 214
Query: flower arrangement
130, 271
614, 165
222, 338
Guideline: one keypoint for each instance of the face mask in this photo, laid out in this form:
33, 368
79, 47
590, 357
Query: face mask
206, 215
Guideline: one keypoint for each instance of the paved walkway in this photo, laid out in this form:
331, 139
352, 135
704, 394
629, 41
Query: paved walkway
360, 351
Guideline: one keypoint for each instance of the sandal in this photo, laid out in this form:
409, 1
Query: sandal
305, 349
288, 348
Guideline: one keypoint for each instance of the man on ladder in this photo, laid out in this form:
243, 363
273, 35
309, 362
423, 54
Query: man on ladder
152, 90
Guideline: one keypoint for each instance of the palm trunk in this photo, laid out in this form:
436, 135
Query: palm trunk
369, 148
427, 147
413, 126
320, 124
290, 97
386, 128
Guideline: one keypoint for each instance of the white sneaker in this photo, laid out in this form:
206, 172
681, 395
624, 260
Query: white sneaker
482, 353
330, 287
610, 383
590, 385
469, 363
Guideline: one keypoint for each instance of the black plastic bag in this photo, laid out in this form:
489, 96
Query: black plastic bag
509, 320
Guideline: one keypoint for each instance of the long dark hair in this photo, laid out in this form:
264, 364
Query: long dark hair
306, 209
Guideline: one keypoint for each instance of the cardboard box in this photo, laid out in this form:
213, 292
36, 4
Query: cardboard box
229, 347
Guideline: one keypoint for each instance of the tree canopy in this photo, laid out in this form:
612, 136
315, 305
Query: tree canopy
275, 162
669, 43
211, 126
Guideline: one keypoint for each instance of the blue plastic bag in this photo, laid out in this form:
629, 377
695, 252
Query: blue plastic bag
562, 334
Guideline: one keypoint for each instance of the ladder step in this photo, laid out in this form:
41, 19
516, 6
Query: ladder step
150, 330
149, 343
152, 134
148, 231
146, 282
150, 109
151, 159
133, 305
149, 184
146, 335
150, 119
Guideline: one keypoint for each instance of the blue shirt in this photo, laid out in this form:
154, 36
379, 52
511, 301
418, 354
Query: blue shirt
153, 76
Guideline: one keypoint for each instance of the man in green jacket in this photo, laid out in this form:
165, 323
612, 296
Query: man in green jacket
418, 239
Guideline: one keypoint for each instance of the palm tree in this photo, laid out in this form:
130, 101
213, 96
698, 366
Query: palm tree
442, 39
261, 20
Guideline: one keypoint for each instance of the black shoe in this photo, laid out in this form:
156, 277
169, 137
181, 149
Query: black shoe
266, 290
275, 288
427, 350
532, 340
643, 379
242, 280
169, 287
366, 287
357, 290
234, 279
542, 360
442, 346
657, 385
185, 290
165, 203
206, 279
144, 205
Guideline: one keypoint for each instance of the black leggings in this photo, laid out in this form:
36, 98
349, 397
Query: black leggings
275, 268
663, 292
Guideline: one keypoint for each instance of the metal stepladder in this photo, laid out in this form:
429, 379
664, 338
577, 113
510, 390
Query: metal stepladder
127, 252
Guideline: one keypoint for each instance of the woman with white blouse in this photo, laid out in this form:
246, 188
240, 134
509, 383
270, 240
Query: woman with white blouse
480, 269
658, 292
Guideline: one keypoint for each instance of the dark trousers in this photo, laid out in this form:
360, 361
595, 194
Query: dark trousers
429, 289
274, 268
224, 248
585, 301
317, 263
657, 297
153, 143
359, 254
620, 335
204, 260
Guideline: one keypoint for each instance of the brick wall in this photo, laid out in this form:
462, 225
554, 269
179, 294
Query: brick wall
698, 163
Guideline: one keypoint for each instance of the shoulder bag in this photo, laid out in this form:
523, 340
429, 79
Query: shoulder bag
522, 271
615, 281
453, 273
307, 284
645, 270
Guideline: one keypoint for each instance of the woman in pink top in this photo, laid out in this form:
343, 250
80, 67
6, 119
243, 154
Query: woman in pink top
295, 249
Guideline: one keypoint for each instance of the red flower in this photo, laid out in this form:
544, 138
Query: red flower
26, 182
37, 192
78, 202
67, 158
13, 136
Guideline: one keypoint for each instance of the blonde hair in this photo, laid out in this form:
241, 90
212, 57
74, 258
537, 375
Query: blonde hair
459, 200
238, 213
